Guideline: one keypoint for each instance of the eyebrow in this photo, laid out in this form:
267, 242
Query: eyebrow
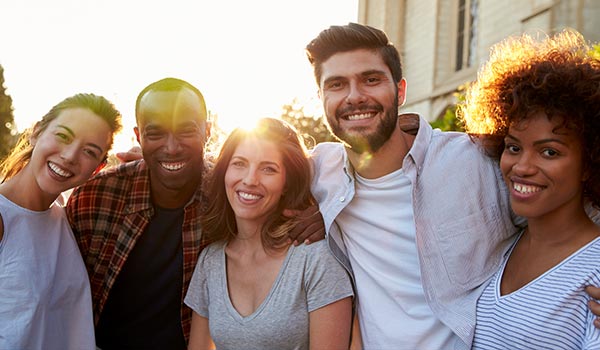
362, 74
538, 142
264, 162
70, 132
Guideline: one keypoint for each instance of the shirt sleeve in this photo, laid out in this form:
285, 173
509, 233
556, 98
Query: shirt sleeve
197, 294
326, 281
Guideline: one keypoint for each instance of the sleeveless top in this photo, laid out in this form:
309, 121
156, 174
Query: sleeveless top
45, 299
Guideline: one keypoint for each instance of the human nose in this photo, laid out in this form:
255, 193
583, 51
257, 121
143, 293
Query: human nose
172, 145
69, 153
524, 165
355, 94
250, 177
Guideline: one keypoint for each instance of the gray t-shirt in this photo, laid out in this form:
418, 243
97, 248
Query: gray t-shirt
309, 278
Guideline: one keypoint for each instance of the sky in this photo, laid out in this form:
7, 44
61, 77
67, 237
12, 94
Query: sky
246, 56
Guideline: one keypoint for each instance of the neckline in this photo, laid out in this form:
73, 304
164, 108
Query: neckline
232, 310
534, 281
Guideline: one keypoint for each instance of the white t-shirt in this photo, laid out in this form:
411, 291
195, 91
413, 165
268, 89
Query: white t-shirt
379, 233
45, 299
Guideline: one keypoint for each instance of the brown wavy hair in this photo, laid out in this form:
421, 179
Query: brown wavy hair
558, 76
20, 155
218, 221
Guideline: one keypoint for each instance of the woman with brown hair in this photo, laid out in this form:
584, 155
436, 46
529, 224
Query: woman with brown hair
253, 289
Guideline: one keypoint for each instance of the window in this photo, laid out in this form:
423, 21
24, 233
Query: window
466, 33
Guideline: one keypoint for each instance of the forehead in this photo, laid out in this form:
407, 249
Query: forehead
255, 148
85, 124
170, 107
352, 63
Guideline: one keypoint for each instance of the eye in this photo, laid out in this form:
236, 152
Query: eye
154, 135
62, 136
334, 85
270, 170
91, 153
237, 164
511, 148
190, 131
372, 80
549, 152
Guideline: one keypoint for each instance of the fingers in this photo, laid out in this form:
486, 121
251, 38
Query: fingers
594, 306
312, 233
310, 226
132, 154
594, 292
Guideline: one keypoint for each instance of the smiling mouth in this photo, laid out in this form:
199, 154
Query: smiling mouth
249, 196
174, 166
360, 116
59, 171
526, 189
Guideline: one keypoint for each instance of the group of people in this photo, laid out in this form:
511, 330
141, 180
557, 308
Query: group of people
501, 253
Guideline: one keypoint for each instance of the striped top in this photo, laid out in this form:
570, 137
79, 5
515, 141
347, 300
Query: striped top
549, 312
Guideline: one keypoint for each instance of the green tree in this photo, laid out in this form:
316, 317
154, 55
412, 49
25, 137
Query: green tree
449, 121
8, 131
312, 128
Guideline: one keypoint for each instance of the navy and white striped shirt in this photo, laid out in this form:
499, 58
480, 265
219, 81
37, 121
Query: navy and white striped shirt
549, 312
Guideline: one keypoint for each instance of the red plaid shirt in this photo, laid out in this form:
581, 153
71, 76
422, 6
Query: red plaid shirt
108, 215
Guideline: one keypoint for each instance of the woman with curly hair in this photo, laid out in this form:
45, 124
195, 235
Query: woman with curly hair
253, 289
536, 107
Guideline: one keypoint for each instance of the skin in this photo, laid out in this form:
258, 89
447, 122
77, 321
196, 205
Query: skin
64, 156
358, 85
172, 131
256, 168
543, 168
254, 182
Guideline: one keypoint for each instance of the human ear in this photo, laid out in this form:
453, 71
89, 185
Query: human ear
136, 131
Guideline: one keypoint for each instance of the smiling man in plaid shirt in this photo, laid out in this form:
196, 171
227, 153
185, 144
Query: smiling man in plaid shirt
138, 225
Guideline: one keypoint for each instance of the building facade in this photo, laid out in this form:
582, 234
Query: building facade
443, 42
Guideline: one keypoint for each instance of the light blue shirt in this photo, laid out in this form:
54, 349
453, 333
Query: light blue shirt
463, 221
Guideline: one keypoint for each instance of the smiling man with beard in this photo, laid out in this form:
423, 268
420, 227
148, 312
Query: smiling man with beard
138, 225
422, 221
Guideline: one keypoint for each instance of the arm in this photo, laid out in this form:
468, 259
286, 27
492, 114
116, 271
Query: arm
200, 335
329, 326
310, 227
356, 341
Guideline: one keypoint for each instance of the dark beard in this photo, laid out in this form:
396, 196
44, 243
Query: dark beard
372, 142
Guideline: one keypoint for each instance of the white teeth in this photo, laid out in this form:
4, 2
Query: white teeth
526, 188
173, 166
59, 171
359, 116
248, 196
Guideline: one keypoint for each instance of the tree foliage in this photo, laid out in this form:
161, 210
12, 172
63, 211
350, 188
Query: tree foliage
8, 130
312, 128
449, 121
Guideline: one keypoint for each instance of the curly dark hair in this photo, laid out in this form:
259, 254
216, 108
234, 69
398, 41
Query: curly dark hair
558, 76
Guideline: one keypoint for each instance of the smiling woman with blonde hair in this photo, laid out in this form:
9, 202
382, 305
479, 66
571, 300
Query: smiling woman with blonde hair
45, 292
